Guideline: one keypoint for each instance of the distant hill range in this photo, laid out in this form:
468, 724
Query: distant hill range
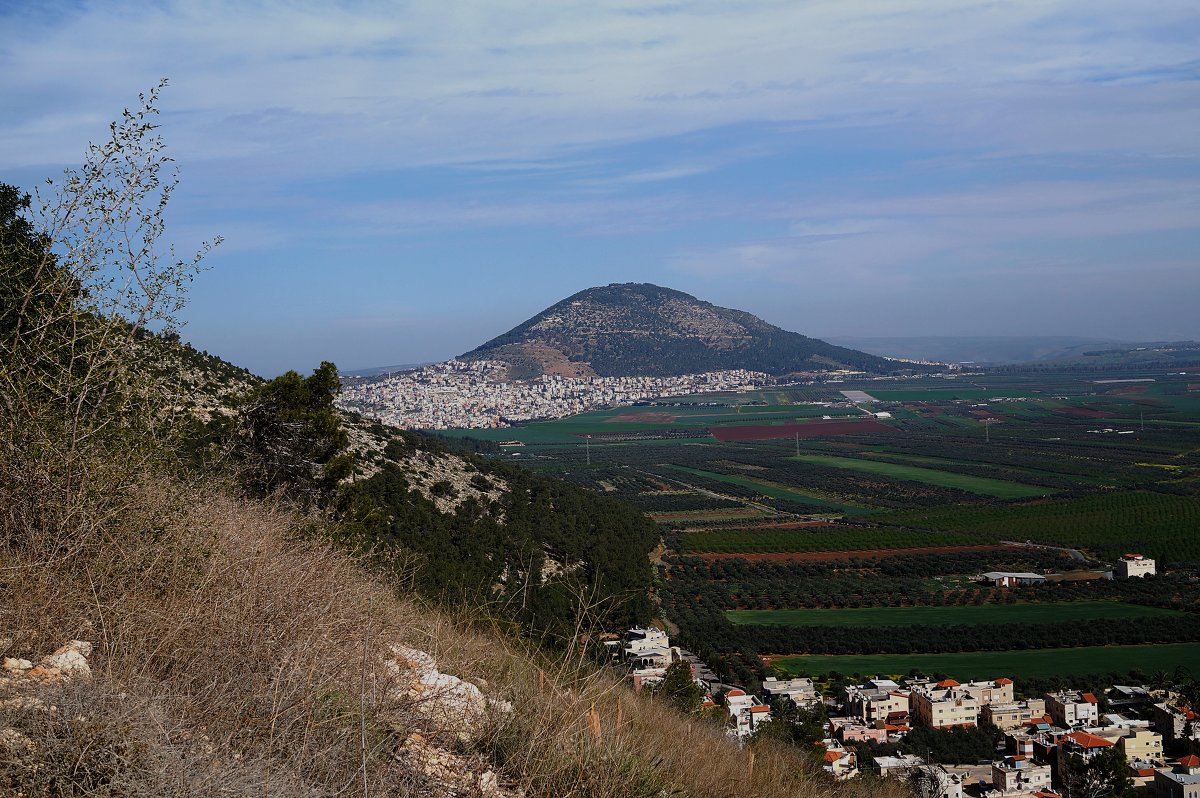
639, 329
1008, 350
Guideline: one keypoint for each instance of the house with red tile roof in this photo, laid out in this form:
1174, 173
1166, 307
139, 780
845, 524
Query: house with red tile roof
1180, 781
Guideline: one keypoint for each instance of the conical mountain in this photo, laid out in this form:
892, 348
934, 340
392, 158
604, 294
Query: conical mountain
640, 329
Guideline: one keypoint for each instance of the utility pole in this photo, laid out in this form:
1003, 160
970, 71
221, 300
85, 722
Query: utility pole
587, 444
797, 443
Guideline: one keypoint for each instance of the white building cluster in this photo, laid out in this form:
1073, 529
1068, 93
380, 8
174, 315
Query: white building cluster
477, 394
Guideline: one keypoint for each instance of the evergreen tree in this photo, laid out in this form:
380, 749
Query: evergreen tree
679, 688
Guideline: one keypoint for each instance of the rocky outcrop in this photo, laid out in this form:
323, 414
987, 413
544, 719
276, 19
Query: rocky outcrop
440, 721
21, 682
442, 717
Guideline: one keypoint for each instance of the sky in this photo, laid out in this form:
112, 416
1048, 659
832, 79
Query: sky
396, 182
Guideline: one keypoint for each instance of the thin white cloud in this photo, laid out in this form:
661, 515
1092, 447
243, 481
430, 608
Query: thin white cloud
342, 86
893, 239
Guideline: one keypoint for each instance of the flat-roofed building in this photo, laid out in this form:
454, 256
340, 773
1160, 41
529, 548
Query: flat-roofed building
1132, 566
1013, 578
1141, 745
945, 707
1071, 708
801, 691
873, 701
993, 691
1018, 775
1013, 715
1172, 721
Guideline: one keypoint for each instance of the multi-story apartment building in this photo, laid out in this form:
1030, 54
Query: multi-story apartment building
1174, 722
872, 701
1013, 715
1071, 708
944, 707
1141, 745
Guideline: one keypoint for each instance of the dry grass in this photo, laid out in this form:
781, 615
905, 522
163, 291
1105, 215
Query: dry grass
234, 657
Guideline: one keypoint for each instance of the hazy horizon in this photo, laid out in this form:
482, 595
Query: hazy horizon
400, 184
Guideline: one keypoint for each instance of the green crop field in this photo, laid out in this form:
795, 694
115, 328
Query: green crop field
981, 485
1035, 663
968, 393
1048, 612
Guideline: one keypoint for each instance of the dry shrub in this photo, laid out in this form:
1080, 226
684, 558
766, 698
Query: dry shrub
586, 733
235, 656
238, 636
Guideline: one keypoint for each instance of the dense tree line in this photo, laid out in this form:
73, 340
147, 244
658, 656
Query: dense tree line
495, 553
957, 746
929, 639
902, 581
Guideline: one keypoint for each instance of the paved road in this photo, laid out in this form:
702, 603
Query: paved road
1075, 553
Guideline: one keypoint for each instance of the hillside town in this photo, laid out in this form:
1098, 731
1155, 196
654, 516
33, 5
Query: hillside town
479, 395
1049, 744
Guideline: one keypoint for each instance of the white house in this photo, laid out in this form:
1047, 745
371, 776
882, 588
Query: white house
1134, 565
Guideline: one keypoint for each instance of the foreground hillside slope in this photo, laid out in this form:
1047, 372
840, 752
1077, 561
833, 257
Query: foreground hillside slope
234, 655
632, 329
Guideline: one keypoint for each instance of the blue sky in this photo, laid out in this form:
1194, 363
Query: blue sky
397, 182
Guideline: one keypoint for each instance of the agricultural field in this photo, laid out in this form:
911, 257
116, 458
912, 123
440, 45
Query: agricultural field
822, 538
1039, 664
1040, 612
932, 476
801, 503
1162, 525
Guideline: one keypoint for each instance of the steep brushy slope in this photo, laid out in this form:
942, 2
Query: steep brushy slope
235, 655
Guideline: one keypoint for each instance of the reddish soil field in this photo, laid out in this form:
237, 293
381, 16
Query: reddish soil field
1083, 412
814, 429
817, 556
643, 418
